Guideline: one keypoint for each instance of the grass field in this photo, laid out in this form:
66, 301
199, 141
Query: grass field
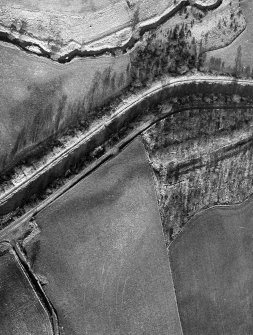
103, 253
244, 41
70, 25
212, 269
21, 312
39, 97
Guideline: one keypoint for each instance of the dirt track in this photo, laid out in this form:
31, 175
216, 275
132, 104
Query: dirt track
95, 250
56, 164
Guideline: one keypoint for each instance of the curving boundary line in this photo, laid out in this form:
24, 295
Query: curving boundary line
90, 51
159, 92
233, 206
211, 5
34, 285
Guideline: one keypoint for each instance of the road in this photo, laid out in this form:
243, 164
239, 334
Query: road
87, 28
13, 196
21, 311
103, 253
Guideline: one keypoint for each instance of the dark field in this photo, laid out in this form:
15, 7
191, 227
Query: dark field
212, 267
103, 253
21, 312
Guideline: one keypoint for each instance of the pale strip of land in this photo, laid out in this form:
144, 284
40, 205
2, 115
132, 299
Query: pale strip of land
63, 30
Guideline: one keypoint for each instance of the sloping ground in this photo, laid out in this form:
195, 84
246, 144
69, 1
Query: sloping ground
40, 98
237, 57
201, 157
212, 269
21, 310
102, 251
224, 24
33, 182
56, 29
206, 4
59, 28
101, 254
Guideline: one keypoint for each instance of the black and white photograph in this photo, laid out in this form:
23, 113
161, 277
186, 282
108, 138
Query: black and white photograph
126, 167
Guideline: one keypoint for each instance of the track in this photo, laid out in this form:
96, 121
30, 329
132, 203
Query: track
159, 91
88, 50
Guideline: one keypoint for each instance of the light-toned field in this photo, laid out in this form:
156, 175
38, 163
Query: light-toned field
59, 28
63, 27
229, 54
39, 97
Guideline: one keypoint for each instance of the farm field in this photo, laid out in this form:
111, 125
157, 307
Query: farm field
212, 269
39, 97
126, 184
43, 93
103, 253
21, 311
44, 22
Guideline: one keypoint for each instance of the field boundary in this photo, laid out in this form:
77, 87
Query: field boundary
158, 93
6, 35
191, 224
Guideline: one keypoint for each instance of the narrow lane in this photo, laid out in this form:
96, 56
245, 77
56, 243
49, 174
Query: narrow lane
103, 253
21, 311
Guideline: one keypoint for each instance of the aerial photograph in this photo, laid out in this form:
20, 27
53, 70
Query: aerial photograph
126, 167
